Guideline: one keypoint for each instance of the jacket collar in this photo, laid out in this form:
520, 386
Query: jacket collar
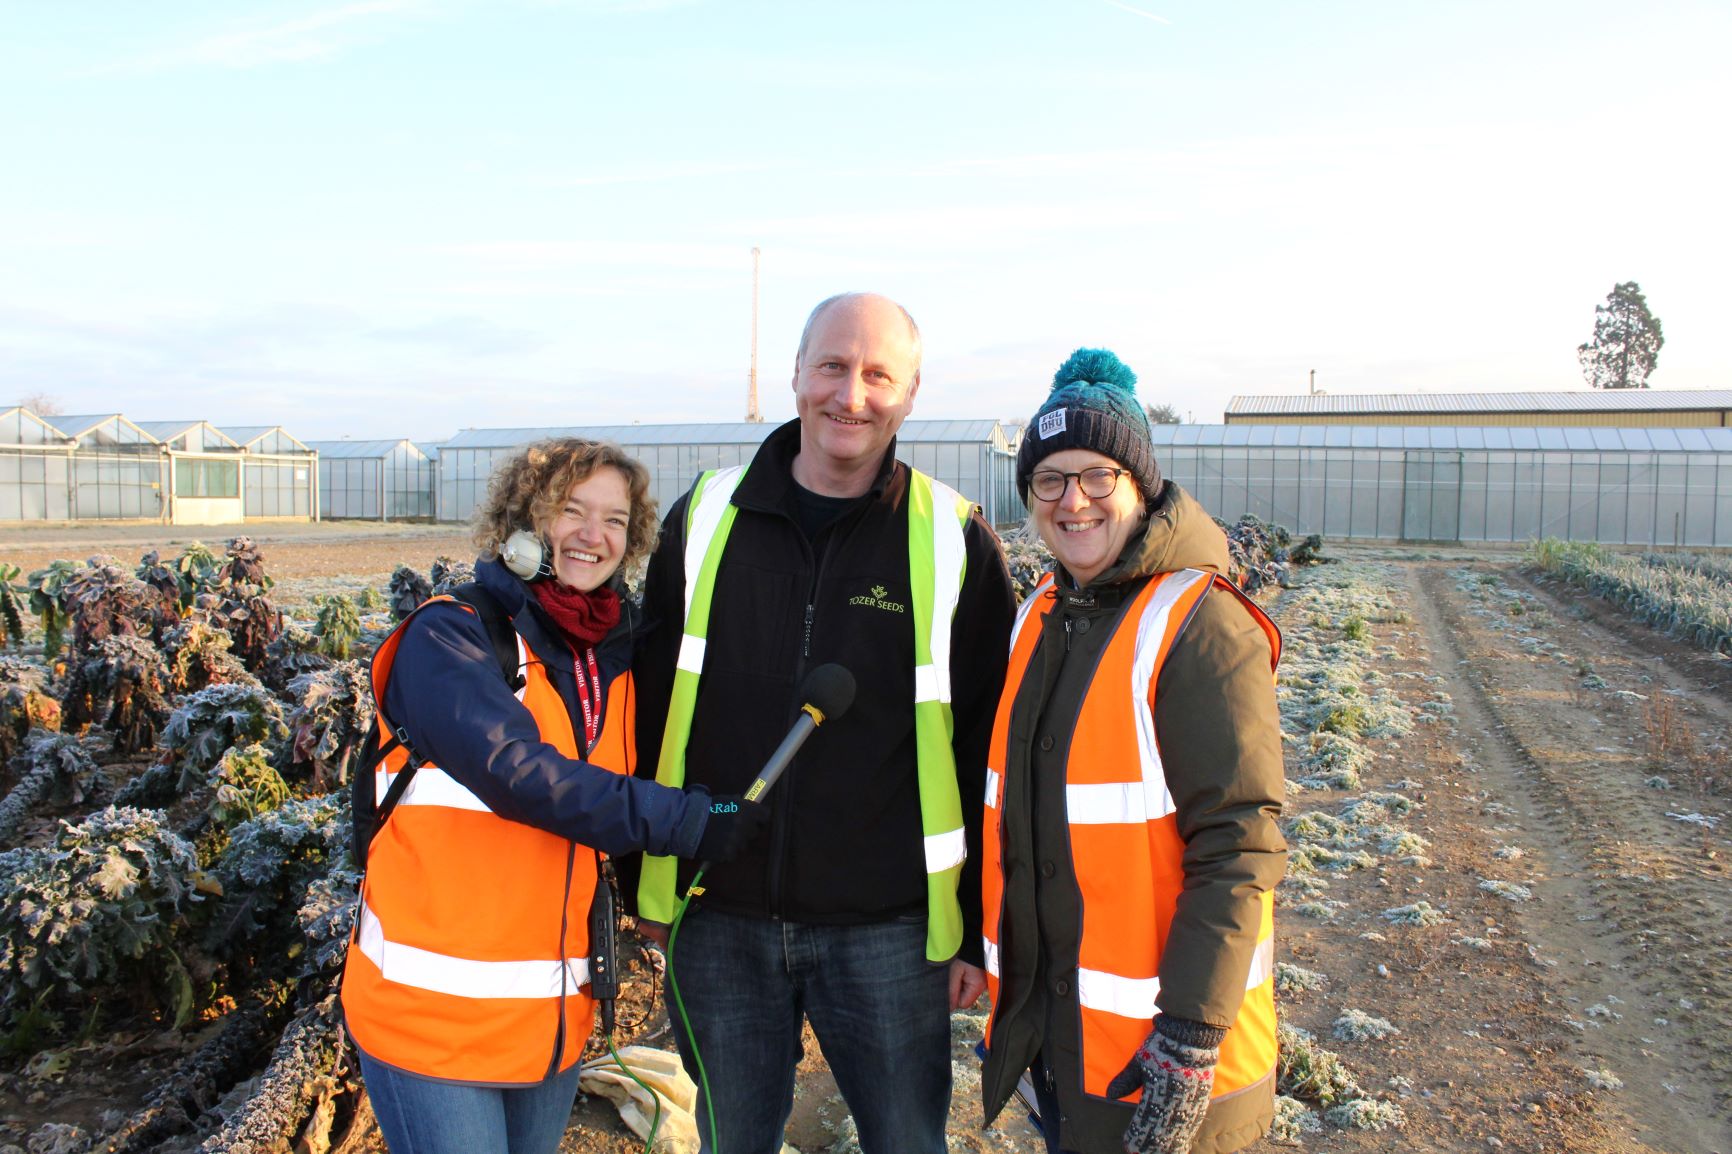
769, 480
539, 630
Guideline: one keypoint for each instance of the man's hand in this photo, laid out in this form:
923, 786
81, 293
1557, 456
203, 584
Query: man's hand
967, 983
654, 931
1175, 1067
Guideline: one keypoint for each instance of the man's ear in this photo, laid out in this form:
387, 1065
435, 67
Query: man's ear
913, 389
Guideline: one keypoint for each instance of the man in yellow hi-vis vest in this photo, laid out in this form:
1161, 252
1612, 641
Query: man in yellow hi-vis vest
859, 910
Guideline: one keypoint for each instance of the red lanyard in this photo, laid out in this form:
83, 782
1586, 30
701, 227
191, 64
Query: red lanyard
588, 695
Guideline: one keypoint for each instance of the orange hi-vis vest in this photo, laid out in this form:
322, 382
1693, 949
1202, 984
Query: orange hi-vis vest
1126, 851
469, 960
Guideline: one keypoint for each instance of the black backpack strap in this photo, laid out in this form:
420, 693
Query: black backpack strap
503, 636
499, 629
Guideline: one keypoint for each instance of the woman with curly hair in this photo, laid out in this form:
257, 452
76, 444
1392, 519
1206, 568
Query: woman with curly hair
467, 983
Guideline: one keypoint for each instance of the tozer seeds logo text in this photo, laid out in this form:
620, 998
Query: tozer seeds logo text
875, 599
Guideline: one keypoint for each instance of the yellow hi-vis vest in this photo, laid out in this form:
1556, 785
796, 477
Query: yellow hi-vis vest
937, 560
469, 960
1126, 850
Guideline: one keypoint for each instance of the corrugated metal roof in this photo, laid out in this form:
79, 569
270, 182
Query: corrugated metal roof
723, 433
1467, 438
1586, 401
336, 450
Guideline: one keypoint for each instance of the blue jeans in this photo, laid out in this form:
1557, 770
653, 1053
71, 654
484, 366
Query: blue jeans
880, 1010
426, 1116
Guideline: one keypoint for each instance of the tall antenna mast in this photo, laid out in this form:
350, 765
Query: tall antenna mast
752, 414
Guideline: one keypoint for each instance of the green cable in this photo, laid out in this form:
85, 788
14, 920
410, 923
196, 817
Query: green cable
656, 1123
680, 1005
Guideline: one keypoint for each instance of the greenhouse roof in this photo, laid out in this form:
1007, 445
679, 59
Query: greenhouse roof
714, 433
248, 434
166, 431
83, 424
1585, 401
338, 450
1463, 437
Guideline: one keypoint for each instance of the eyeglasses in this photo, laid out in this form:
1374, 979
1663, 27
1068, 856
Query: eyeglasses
1096, 484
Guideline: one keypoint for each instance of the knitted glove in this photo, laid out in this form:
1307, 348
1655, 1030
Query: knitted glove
1176, 1069
734, 823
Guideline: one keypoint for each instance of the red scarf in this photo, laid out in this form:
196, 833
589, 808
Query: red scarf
585, 617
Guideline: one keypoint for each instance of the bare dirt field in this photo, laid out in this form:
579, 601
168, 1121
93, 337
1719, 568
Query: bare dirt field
1573, 991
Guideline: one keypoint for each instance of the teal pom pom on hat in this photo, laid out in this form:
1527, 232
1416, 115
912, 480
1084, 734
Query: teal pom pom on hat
1093, 405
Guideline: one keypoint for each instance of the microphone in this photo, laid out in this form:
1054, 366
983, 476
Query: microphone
826, 694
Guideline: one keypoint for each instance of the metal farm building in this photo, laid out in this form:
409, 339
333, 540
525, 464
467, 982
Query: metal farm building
1605, 408
976, 458
1617, 486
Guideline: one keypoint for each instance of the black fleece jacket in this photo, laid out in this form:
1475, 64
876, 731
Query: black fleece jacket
845, 837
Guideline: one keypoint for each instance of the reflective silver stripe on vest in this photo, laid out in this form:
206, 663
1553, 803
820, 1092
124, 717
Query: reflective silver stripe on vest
432, 785
949, 560
706, 519
1135, 997
993, 780
992, 957
1152, 626
466, 977
944, 850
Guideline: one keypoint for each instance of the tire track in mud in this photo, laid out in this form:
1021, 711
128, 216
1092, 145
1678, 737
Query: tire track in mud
1629, 930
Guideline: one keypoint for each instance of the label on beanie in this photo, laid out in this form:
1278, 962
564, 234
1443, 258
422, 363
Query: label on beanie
1052, 423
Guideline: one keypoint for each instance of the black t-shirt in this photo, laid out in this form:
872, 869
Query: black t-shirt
814, 512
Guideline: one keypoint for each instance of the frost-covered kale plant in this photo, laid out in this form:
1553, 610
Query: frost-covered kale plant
339, 626
119, 683
407, 590
266, 872
53, 769
332, 712
215, 719
104, 600
244, 784
199, 655
25, 703
96, 914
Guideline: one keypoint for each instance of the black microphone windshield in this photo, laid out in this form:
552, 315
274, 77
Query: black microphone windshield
829, 689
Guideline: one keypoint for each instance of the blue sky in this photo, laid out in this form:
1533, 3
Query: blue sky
405, 217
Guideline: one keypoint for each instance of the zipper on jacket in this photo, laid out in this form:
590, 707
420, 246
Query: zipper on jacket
779, 835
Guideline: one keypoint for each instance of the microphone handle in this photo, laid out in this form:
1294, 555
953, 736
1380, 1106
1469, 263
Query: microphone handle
784, 754
778, 762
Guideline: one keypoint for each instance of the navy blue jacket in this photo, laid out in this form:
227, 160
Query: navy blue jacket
446, 690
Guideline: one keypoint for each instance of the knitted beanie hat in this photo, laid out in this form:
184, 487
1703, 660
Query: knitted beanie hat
1093, 405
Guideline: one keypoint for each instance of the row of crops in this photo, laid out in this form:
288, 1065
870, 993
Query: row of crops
1686, 595
213, 883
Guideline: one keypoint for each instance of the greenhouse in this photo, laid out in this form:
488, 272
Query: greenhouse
111, 470
278, 478
975, 457
1628, 486
376, 480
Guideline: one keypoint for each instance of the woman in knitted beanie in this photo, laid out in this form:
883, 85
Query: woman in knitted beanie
1134, 787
